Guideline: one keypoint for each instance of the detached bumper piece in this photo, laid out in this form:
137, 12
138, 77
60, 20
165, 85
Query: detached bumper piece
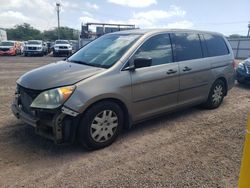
51, 124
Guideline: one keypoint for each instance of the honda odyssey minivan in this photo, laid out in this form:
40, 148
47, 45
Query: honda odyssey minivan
121, 79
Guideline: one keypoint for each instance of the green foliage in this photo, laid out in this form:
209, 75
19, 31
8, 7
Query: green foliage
234, 36
25, 32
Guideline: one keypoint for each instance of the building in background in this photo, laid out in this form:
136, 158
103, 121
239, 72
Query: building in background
3, 35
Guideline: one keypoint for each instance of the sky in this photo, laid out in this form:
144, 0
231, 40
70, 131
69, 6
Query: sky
224, 16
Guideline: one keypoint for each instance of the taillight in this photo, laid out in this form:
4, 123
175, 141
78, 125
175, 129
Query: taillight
234, 64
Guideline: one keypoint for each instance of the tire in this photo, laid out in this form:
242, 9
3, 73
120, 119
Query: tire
25, 54
100, 125
216, 95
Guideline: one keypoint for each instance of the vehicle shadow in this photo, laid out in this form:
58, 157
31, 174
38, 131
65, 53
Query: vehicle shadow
243, 86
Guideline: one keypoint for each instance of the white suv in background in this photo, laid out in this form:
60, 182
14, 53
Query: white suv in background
62, 47
35, 47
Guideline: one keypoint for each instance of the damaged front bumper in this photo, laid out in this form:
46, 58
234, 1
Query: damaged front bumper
58, 125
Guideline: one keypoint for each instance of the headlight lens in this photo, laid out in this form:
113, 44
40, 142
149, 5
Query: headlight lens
52, 98
241, 66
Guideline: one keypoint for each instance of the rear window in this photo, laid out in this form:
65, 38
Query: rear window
216, 45
186, 46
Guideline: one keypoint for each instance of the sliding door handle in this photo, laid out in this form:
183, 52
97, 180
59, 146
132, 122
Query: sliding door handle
187, 69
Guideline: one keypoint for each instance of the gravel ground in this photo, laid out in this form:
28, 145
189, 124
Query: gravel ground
189, 148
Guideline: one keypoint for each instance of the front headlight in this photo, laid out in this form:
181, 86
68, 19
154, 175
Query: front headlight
241, 66
53, 98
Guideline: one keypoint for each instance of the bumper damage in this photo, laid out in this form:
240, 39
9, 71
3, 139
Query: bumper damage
59, 125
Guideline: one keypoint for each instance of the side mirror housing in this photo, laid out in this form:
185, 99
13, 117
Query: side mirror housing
142, 62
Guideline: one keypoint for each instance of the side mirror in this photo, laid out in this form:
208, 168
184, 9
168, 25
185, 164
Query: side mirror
142, 62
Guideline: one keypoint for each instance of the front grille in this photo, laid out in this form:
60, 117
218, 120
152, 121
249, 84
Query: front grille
4, 49
63, 47
26, 98
31, 48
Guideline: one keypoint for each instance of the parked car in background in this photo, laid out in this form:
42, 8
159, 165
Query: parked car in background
10, 48
62, 47
124, 78
243, 72
35, 47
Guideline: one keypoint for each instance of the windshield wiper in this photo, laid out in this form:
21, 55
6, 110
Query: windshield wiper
79, 62
84, 63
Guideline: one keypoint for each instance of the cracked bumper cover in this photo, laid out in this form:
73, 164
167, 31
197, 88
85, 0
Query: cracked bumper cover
60, 126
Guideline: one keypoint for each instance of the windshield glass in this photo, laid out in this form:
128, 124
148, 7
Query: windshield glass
34, 42
62, 42
104, 51
7, 44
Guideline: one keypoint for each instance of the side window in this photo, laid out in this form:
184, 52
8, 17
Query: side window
186, 46
158, 48
203, 46
216, 45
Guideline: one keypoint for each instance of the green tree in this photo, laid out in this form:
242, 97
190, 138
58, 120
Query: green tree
65, 33
236, 36
23, 32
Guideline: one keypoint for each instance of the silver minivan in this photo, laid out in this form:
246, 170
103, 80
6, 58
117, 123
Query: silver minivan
121, 79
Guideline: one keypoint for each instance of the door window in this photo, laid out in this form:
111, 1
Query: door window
186, 46
158, 48
216, 45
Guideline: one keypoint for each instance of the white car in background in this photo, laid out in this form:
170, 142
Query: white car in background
35, 47
62, 47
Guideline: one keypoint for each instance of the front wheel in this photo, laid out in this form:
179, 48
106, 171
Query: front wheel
216, 95
100, 125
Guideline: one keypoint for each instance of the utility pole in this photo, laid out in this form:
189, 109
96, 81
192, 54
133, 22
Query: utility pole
58, 19
248, 33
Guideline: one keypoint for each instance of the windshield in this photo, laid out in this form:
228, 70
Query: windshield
104, 51
34, 42
62, 42
7, 44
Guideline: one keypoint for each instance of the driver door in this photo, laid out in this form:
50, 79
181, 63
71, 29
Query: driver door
155, 88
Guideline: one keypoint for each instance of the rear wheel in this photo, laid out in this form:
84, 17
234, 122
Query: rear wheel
100, 125
216, 95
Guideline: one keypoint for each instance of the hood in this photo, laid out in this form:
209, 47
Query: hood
6, 47
68, 45
57, 74
33, 45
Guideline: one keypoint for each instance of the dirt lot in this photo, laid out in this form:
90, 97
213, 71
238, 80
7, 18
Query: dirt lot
191, 148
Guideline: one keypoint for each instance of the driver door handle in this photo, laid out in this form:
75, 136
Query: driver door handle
171, 71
